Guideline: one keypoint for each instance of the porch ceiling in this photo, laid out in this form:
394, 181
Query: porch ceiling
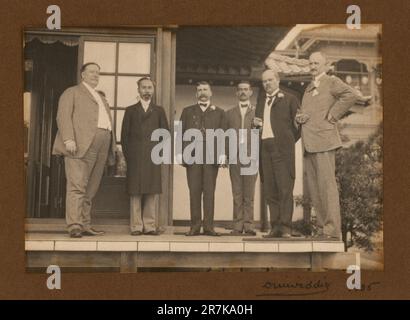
225, 50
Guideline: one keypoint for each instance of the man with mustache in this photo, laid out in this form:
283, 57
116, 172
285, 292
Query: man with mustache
86, 140
202, 176
325, 101
243, 186
143, 175
275, 113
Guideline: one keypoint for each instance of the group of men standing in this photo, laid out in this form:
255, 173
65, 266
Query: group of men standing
86, 140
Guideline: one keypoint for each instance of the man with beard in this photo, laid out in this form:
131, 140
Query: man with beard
243, 186
276, 114
325, 101
202, 176
143, 175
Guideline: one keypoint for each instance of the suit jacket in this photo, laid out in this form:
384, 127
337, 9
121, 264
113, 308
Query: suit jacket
77, 119
234, 121
143, 176
332, 97
282, 116
193, 117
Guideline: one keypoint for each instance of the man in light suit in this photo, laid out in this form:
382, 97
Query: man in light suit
325, 101
202, 176
276, 113
86, 140
243, 186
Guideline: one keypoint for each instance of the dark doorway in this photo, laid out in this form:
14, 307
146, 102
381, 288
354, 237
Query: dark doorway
50, 67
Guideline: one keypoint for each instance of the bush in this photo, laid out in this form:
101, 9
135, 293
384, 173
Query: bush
359, 176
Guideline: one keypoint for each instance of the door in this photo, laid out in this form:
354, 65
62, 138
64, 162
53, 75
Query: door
123, 60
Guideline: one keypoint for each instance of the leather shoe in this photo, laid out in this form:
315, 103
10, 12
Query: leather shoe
250, 232
211, 233
136, 233
152, 233
75, 233
236, 233
271, 234
286, 235
93, 232
325, 237
192, 233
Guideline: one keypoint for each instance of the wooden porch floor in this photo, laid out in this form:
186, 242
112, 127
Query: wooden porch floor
169, 250
174, 240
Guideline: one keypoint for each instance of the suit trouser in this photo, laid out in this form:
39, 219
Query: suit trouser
322, 188
143, 209
243, 191
278, 186
202, 182
83, 179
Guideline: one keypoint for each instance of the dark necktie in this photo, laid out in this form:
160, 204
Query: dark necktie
270, 99
244, 105
203, 105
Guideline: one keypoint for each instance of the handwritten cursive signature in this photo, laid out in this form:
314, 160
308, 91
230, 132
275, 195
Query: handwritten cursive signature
295, 288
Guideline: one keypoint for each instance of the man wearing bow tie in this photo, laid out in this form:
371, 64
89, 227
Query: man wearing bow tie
276, 112
243, 186
325, 101
86, 140
202, 176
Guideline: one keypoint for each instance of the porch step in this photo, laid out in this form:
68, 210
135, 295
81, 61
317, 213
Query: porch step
127, 253
38, 241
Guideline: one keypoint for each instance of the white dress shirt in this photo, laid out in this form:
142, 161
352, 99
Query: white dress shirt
267, 131
202, 107
145, 104
103, 118
243, 111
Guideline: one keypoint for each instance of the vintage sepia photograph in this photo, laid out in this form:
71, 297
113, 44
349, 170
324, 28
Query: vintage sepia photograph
203, 148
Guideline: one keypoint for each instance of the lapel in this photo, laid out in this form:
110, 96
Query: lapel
238, 115
208, 110
107, 107
248, 116
275, 101
249, 111
87, 92
310, 86
198, 109
144, 114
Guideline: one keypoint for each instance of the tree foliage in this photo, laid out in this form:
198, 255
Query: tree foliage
359, 175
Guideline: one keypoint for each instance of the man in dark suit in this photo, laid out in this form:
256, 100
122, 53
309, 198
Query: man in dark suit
276, 112
240, 119
325, 101
202, 176
143, 175
86, 140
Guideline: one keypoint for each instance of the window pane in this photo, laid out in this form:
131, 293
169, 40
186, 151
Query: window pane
127, 91
102, 53
120, 116
106, 85
134, 58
